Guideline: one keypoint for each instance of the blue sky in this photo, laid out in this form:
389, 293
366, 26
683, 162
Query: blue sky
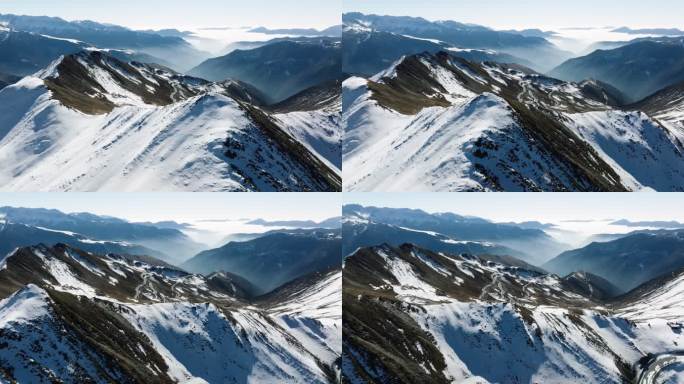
545, 207
186, 14
533, 13
185, 206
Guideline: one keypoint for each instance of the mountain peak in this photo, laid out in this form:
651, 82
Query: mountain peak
94, 82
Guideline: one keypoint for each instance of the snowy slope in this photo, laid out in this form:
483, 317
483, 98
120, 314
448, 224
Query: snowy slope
319, 130
313, 314
201, 344
634, 145
137, 127
664, 302
457, 319
38, 349
436, 151
667, 105
439, 123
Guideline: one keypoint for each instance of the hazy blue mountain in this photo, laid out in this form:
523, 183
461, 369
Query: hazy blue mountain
247, 45
464, 227
171, 32
650, 31
637, 69
280, 69
356, 234
532, 32
333, 222
7, 79
23, 53
647, 223
273, 259
628, 261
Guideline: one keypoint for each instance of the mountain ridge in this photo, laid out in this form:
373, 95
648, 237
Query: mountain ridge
492, 117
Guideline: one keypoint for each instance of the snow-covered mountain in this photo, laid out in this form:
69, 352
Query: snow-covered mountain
75, 316
92, 122
413, 315
311, 308
314, 117
435, 122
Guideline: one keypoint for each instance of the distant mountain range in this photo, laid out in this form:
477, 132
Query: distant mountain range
16, 235
172, 49
650, 31
463, 36
31, 226
335, 30
448, 232
333, 222
649, 223
6, 80
25, 53
367, 52
358, 234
